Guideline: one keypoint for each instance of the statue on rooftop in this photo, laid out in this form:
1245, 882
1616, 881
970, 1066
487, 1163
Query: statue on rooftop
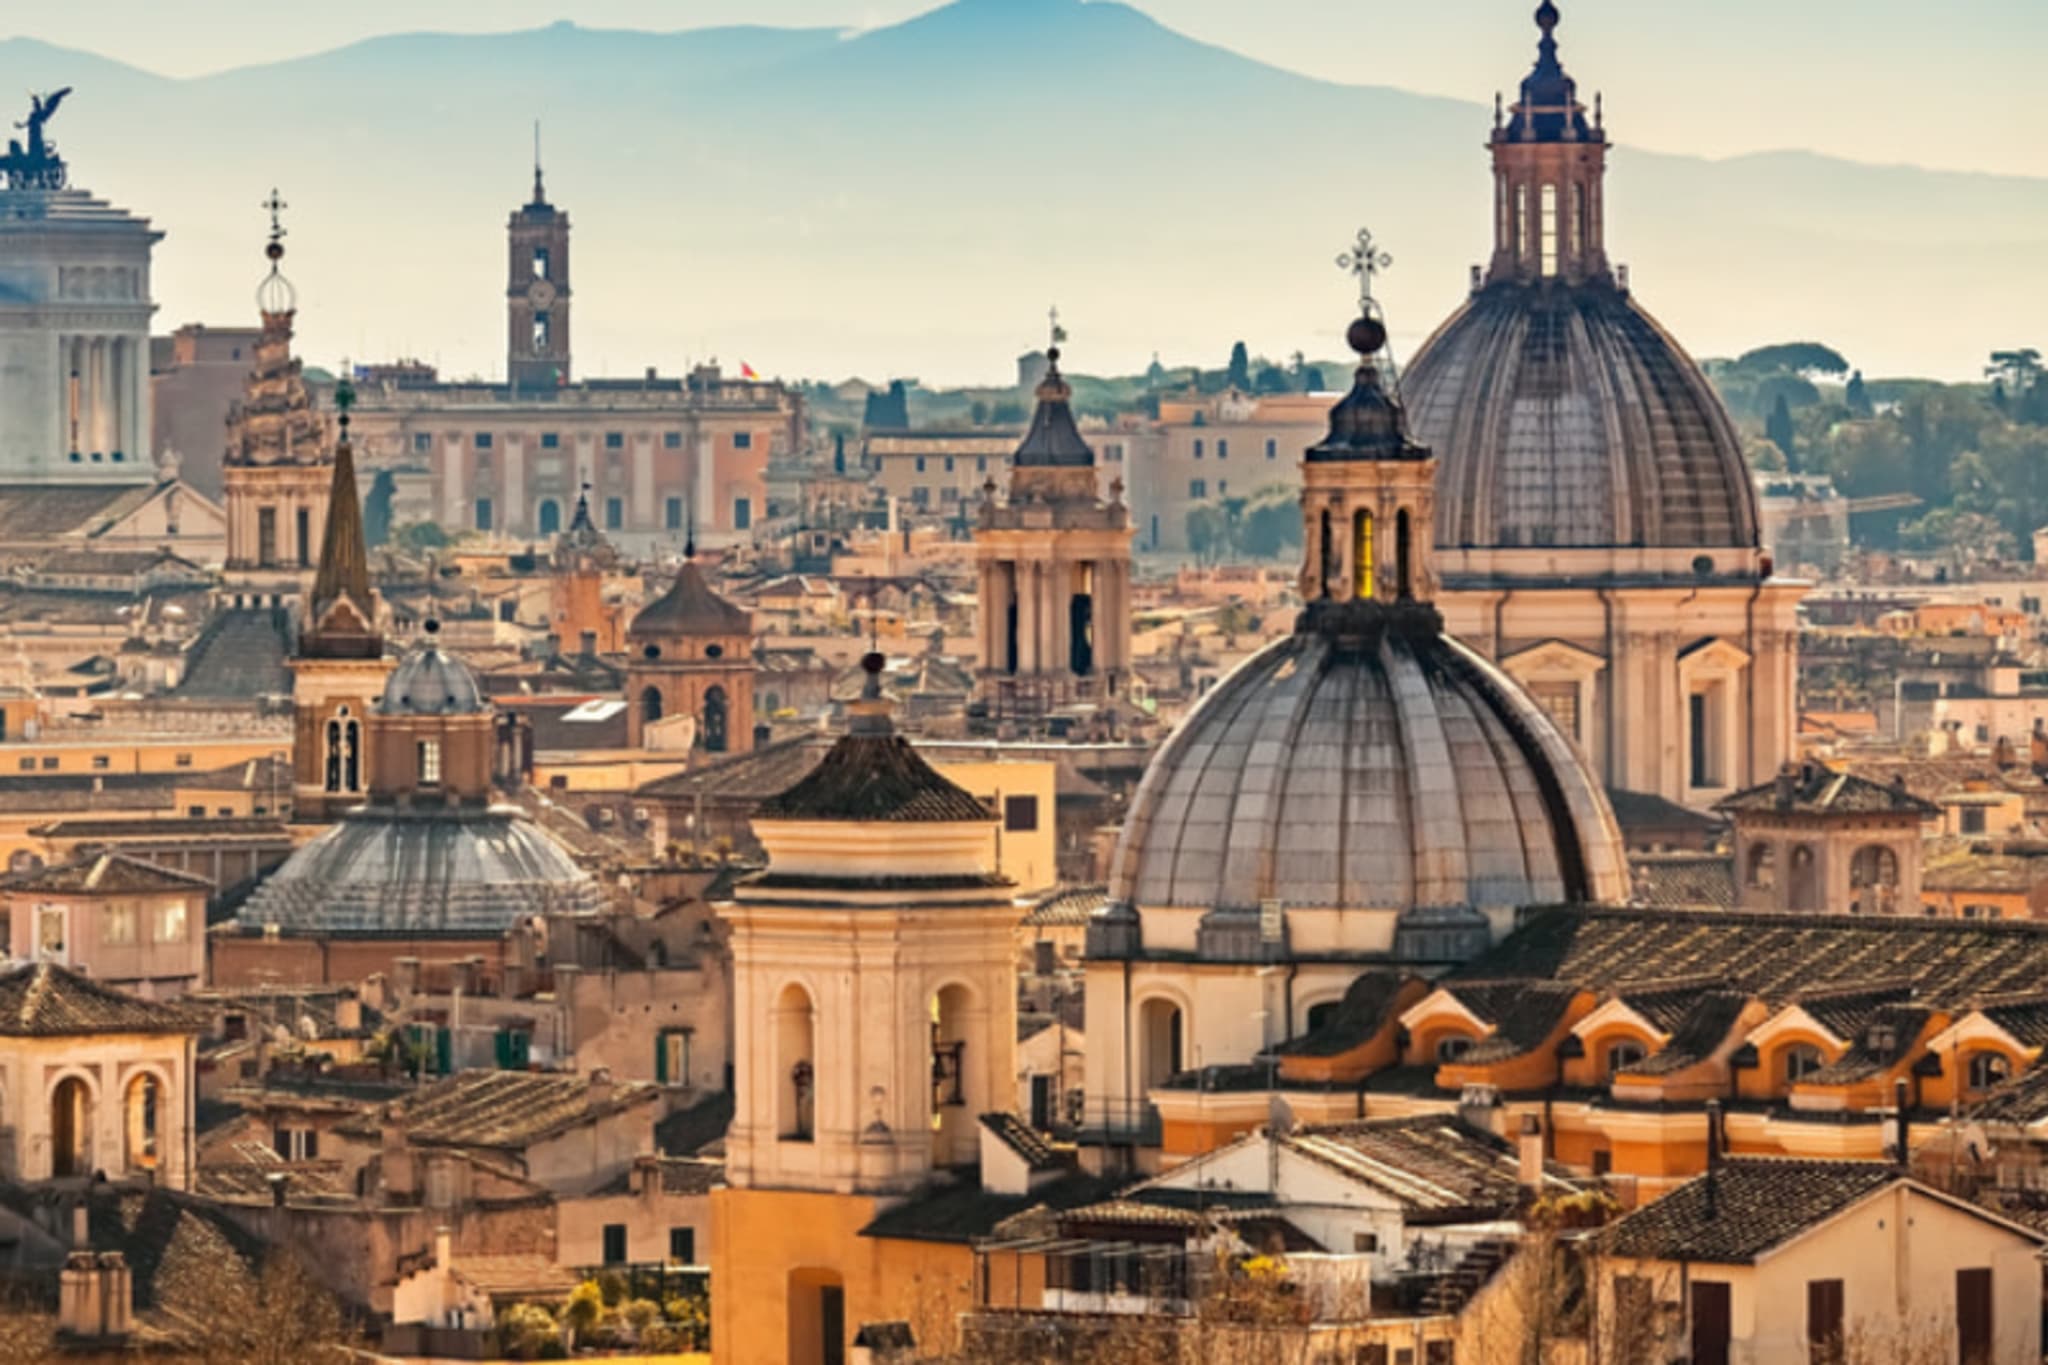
37, 166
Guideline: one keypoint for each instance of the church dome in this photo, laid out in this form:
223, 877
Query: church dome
690, 607
431, 683
1391, 770
1565, 416
380, 871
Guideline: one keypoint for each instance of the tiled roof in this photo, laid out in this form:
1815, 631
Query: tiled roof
1705, 1025
1362, 1013
109, 874
690, 607
1775, 957
1754, 1205
1069, 906
1885, 1039
1647, 811
679, 1176
1439, 1168
874, 777
240, 656
1816, 789
2025, 1019
44, 1000
514, 1276
964, 1212
744, 778
1028, 1143
1529, 1016
2022, 1100
701, 1127
1843, 1012
1682, 881
1980, 865
47, 511
507, 1109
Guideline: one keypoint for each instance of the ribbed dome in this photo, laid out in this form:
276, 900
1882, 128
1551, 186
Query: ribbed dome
1397, 772
430, 683
380, 871
1565, 416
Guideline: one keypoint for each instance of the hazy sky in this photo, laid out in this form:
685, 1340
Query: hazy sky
1937, 84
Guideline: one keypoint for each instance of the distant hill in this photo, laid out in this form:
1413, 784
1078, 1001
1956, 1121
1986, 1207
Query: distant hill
910, 200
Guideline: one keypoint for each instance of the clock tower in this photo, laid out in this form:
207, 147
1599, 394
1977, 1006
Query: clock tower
537, 294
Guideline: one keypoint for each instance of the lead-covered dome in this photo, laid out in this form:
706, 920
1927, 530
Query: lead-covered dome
383, 872
1393, 770
1563, 415
428, 682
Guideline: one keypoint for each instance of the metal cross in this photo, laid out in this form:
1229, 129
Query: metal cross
1059, 333
1365, 260
276, 205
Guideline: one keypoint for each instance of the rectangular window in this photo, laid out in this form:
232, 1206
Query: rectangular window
615, 440
540, 331
1198, 488
744, 440
1440, 1353
920, 496
682, 1245
266, 536
949, 464
28, 765
120, 925
1973, 1317
183, 760
1699, 722
1020, 814
540, 262
614, 1243
1365, 1243
1222, 449
672, 1057
1561, 700
50, 932
920, 464
483, 440
551, 440
1198, 447
742, 513
1272, 449
1549, 240
430, 762
483, 514
170, 923
1973, 820
422, 443
101, 762
614, 513
673, 514
1824, 1344
49, 763
671, 440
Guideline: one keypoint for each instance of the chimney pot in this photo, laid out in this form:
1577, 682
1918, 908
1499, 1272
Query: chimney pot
1529, 1151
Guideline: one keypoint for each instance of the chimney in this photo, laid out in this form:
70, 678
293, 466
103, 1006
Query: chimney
586, 644
600, 1085
1529, 1168
1788, 787
117, 1295
81, 1236
444, 1247
1713, 1158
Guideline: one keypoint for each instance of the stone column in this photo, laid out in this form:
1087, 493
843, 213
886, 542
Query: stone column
514, 493
1029, 602
96, 397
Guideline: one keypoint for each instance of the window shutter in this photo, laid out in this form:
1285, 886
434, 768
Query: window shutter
661, 1058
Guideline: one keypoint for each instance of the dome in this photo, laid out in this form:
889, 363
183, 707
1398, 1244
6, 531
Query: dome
430, 683
1392, 770
383, 871
690, 607
1564, 415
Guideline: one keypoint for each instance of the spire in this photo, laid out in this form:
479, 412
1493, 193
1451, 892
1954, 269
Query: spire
1054, 440
344, 573
540, 194
276, 300
1549, 110
1367, 423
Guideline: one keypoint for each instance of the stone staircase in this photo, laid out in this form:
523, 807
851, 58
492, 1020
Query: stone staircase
1453, 1290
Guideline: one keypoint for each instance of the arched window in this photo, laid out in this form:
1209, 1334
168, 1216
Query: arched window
1327, 548
1405, 583
1625, 1054
1159, 1037
1763, 866
1548, 240
1452, 1048
650, 705
1801, 1060
70, 1128
333, 782
1081, 622
715, 717
1988, 1069
1874, 865
351, 754
143, 1120
1805, 887
795, 1064
550, 516
1361, 565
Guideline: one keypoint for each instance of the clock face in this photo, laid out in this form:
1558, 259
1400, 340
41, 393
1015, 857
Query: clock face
541, 294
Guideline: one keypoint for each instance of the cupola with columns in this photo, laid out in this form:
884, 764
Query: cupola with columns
1549, 170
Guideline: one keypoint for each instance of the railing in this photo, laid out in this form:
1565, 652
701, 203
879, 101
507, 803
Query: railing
1113, 1121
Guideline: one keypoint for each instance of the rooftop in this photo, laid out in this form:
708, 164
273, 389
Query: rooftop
506, 1109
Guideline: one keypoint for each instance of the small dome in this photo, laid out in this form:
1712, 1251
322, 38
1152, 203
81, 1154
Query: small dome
1400, 772
430, 683
690, 607
1565, 416
380, 871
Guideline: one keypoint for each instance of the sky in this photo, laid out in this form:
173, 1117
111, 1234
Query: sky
1706, 77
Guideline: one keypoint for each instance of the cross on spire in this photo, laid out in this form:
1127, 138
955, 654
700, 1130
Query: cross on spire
1364, 260
276, 206
1059, 333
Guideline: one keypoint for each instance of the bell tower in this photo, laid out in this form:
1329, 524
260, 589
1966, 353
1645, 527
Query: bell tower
537, 291
1549, 176
1054, 568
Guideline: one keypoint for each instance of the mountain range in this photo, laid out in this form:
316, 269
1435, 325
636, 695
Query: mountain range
910, 200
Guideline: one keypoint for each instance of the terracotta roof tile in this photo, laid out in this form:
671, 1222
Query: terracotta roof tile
45, 1000
1754, 1206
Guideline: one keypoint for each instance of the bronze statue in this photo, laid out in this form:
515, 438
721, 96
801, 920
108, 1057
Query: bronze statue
36, 167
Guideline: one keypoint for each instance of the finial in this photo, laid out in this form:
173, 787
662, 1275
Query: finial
1365, 260
1059, 334
1500, 113
344, 398
689, 527
1546, 18
275, 295
1600, 110
872, 663
540, 195
276, 205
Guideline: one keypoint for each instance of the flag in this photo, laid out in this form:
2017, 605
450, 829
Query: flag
747, 371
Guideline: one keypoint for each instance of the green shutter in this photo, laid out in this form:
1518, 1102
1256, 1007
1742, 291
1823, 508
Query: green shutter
661, 1058
444, 1052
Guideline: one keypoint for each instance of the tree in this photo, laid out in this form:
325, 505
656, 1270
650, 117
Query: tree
1312, 380
228, 1313
417, 536
1808, 358
1271, 379
2018, 369
1779, 428
1240, 367
377, 508
1271, 523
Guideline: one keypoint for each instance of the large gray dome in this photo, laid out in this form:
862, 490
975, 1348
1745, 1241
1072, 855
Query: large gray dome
1563, 415
381, 871
1396, 772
